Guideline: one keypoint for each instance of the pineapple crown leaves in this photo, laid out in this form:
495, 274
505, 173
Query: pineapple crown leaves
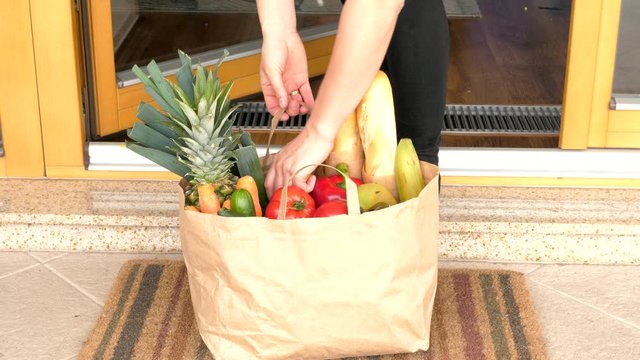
191, 136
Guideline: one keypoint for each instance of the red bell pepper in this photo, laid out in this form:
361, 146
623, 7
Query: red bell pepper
332, 187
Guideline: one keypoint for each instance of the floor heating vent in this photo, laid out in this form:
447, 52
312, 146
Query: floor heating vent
458, 119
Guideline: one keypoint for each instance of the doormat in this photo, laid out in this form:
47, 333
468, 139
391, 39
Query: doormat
454, 8
478, 314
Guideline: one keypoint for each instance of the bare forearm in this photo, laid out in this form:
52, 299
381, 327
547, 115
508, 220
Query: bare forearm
364, 34
277, 18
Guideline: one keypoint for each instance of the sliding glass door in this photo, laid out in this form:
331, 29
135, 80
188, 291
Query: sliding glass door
128, 32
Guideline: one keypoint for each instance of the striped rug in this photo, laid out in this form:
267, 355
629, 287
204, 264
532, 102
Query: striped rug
479, 314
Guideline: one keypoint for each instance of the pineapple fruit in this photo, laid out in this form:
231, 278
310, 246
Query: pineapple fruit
192, 135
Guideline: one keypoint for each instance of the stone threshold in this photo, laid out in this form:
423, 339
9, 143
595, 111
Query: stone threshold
521, 224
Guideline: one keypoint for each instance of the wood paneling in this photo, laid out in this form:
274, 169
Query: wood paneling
624, 121
581, 68
104, 71
59, 82
623, 129
603, 80
19, 109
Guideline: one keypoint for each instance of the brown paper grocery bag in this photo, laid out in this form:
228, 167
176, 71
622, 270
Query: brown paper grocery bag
317, 288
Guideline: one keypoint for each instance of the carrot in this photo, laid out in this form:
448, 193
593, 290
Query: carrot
227, 204
207, 199
248, 183
191, 208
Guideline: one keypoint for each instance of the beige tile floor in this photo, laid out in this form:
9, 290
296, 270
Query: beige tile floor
49, 302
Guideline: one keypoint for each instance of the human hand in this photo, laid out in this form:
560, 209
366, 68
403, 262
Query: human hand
284, 77
305, 149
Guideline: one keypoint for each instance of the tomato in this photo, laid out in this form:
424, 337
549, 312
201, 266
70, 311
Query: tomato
299, 204
331, 208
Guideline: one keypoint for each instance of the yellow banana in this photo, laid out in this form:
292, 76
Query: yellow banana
372, 196
409, 180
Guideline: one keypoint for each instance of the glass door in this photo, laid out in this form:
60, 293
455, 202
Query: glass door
128, 32
507, 75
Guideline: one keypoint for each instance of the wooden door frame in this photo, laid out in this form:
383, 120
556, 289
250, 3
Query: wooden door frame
19, 97
587, 120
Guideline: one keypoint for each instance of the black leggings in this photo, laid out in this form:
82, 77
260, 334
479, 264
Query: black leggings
416, 64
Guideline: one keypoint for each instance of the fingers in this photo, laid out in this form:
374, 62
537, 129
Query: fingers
300, 100
306, 183
278, 175
269, 181
278, 88
294, 103
304, 179
275, 96
307, 98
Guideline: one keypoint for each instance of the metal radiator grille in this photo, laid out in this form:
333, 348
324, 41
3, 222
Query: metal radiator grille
494, 119
502, 119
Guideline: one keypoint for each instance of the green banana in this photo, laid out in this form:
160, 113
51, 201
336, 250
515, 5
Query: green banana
409, 180
374, 196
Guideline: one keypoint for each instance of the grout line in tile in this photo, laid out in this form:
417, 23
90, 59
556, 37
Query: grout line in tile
534, 269
46, 261
74, 285
578, 300
20, 270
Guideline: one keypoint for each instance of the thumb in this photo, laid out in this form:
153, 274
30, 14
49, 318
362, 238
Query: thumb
306, 185
311, 183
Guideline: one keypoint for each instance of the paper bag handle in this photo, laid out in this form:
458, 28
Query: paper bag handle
353, 204
272, 128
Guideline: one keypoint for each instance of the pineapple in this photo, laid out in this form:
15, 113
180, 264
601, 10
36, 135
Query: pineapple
193, 136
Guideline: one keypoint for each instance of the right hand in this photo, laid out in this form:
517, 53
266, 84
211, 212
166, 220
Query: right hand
283, 69
308, 148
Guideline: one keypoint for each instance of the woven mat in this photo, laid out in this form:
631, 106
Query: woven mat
479, 314
454, 8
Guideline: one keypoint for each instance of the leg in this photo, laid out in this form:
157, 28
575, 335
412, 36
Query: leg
416, 64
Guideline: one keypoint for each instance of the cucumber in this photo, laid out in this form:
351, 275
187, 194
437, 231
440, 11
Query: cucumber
228, 213
242, 203
248, 163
